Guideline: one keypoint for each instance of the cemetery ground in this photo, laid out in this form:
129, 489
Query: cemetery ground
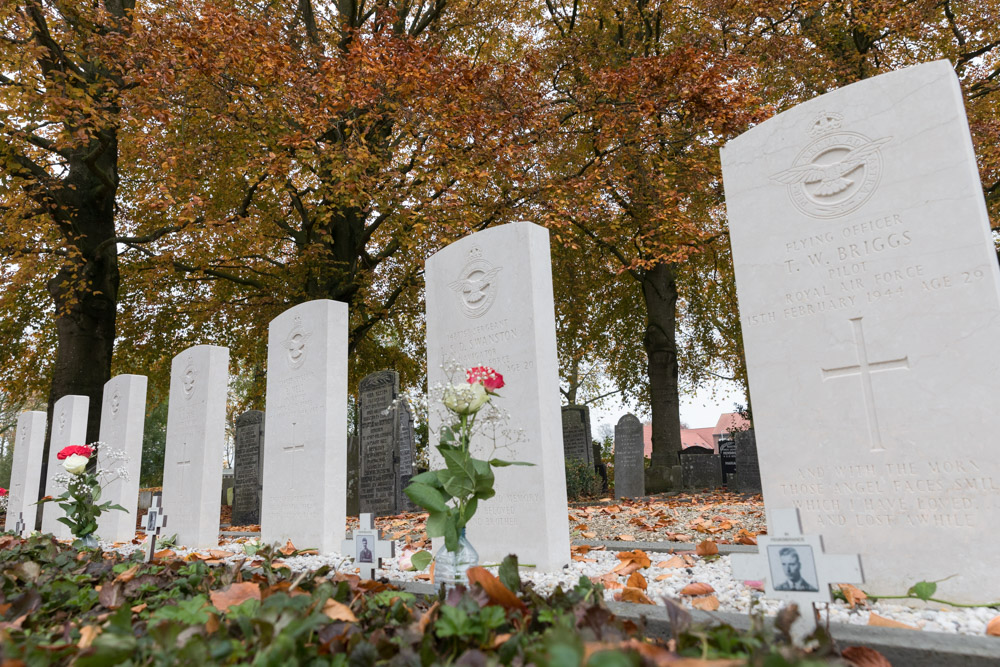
249, 602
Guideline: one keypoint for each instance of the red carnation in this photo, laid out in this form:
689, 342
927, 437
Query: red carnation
80, 450
490, 378
3, 491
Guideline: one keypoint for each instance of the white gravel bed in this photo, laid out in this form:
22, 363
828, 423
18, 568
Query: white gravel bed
733, 595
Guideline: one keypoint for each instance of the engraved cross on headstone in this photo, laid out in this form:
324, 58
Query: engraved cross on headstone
152, 523
293, 447
865, 368
19, 526
367, 547
795, 567
185, 455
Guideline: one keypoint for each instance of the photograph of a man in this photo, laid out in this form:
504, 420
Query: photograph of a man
792, 568
364, 553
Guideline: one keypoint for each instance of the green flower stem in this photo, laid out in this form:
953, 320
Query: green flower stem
875, 598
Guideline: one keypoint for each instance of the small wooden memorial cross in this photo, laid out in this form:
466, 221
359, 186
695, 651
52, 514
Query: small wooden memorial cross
153, 522
795, 567
19, 526
367, 547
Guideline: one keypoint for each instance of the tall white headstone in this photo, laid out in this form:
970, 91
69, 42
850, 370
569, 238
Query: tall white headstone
196, 433
69, 427
870, 301
123, 414
26, 469
489, 303
305, 437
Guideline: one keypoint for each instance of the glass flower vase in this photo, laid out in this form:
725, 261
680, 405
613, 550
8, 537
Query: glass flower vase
450, 566
88, 541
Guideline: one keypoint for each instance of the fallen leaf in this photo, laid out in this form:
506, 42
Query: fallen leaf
139, 608
428, 616
128, 575
498, 593
88, 634
746, 537
212, 625
853, 595
590, 535
338, 611
862, 656
626, 538
288, 549
609, 581
664, 576
882, 622
235, 594
219, 554
707, 603
632, 561
993, 627
707, 548
630, 594
582, 559
697, 588
165, 554
636, 580
676, 561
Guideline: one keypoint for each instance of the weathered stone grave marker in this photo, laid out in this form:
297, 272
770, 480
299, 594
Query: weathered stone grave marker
248, 468
700, 468
123, 415
368, 547
26, 468
727, 458
69, 427
630, 481
489, 303
576, 434
795, 567
305, 441
869, 295
196, 431
154, 521
407, 455
378, 484
747, 465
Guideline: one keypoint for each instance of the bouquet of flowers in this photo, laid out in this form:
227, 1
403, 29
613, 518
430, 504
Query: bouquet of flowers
81, 500
451, 496
3, 500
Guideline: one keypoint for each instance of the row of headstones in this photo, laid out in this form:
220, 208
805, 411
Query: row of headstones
734, 467
489, 302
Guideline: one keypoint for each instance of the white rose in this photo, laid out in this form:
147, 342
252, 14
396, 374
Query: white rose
75, 464
465, 399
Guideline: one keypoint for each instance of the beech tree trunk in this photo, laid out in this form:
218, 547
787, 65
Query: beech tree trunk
659, 289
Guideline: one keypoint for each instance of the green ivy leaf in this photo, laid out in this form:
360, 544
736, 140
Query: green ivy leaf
421, 559
459, 484
923, 590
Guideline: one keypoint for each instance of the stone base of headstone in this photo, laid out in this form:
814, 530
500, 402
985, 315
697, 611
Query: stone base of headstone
660, 478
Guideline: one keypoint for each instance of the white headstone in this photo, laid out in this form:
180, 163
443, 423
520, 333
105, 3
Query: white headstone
305, 439
123, 415
870, 301
489, 303
26, 469
196, 433
69, 427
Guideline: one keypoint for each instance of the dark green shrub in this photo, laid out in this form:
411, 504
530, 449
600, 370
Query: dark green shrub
581, 480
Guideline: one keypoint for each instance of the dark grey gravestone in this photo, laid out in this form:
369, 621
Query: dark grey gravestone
379, 459
700, 468
727, 456
228, 484
353, 475
248, 468
407, 453
576, 433
630, 481
747, 465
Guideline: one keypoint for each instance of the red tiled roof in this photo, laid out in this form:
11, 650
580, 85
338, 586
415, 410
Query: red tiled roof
730, 421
